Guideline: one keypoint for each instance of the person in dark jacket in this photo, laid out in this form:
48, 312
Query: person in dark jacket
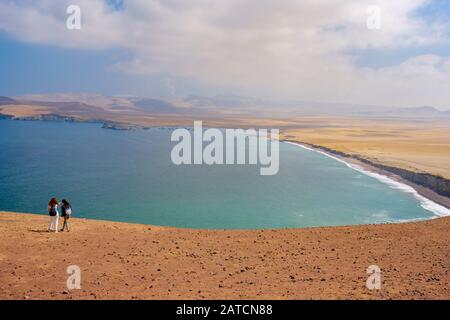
66, 213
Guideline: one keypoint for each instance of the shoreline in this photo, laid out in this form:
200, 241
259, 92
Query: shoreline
427, 197
133, 261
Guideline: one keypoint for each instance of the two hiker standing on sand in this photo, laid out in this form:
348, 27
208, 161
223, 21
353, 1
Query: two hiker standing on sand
66, 213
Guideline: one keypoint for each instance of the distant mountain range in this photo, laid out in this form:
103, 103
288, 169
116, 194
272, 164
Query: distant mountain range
6, 100
156, 106
93, 102
217, 105
423, 111
310, 107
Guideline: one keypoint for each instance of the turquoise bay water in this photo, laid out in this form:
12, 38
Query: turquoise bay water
128, 176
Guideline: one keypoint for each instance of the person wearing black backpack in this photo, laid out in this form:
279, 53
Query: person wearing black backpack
66, 213
54, 215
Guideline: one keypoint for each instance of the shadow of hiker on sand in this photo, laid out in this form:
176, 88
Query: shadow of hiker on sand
40, 231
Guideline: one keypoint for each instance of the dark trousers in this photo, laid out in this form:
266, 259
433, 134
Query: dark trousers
66, 223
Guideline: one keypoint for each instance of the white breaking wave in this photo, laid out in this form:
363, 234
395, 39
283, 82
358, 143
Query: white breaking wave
425, 203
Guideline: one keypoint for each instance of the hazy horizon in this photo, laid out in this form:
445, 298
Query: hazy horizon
229, 98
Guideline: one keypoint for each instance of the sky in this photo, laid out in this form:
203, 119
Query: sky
314, 50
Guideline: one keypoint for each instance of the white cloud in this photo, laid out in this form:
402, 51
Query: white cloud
288, 49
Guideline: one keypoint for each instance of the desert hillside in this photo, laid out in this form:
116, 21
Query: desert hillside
131, 261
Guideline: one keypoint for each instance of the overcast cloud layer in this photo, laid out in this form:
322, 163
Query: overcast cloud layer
284, 49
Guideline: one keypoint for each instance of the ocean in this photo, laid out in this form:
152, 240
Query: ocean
129, 176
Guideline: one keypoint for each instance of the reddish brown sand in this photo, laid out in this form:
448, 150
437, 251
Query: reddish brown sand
131, 261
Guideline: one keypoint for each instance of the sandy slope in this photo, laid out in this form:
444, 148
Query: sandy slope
128, 261
420, 146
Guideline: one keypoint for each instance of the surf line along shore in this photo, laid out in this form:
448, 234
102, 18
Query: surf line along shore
262, 150
398, 183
